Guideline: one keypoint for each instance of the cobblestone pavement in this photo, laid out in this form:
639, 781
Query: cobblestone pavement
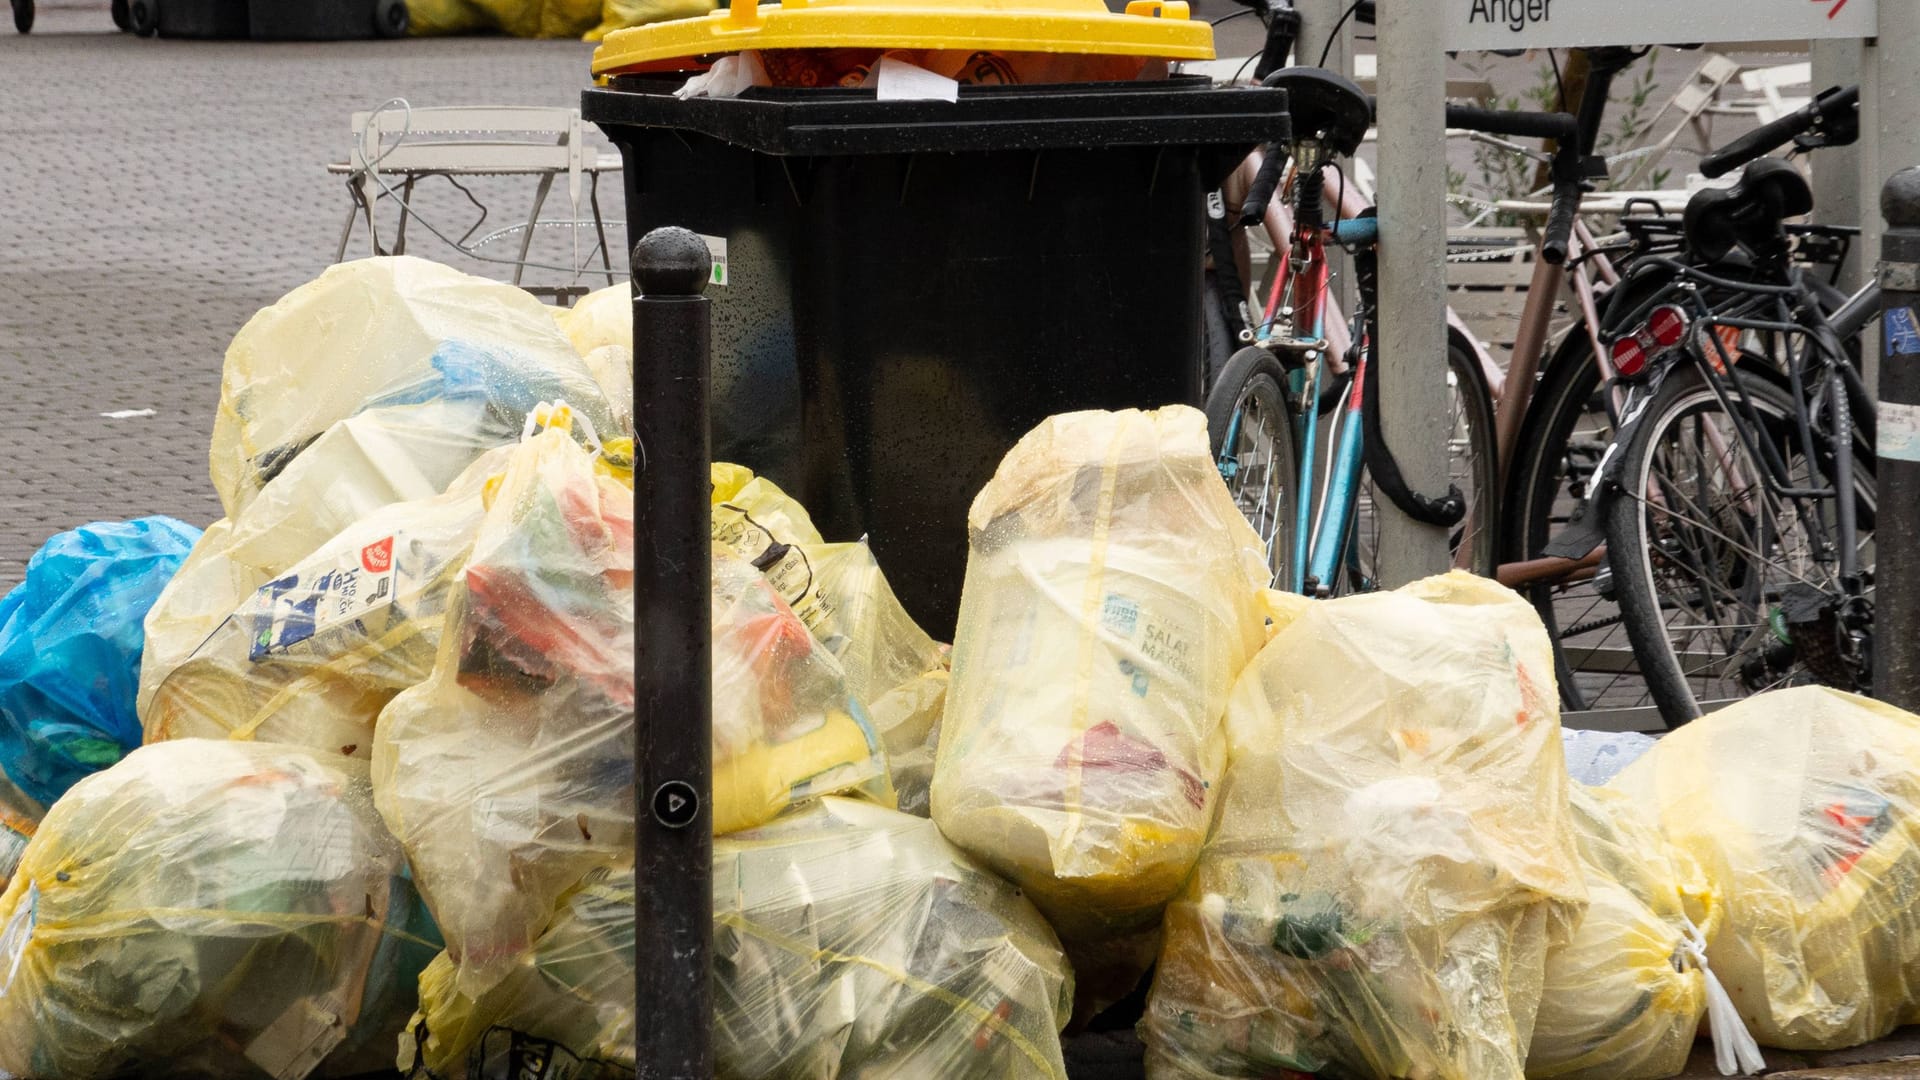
156, 194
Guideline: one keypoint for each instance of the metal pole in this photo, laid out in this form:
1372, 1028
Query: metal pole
1896, 608
673, 665
1836, 169
1413, 248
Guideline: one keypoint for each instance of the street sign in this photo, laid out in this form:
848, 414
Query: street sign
1535, 24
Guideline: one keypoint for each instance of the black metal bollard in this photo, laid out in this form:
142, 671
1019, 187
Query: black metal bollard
1896, 577
672, 556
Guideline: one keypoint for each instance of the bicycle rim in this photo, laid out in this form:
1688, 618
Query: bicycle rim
1718, 572
1264, 467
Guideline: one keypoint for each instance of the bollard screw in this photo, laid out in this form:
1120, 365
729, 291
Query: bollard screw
672, 261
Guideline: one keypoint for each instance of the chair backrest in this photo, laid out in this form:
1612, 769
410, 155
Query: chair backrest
509, 138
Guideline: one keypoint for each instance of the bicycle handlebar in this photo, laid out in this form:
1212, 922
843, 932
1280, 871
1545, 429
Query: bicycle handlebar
1769, 137
1568, 183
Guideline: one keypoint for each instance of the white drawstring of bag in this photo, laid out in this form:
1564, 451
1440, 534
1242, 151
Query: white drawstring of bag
1734, 1048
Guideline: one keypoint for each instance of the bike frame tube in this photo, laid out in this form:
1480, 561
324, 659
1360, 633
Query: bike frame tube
1330, 543
1307, 288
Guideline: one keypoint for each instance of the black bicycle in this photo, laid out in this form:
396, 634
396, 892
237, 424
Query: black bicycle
1736, 498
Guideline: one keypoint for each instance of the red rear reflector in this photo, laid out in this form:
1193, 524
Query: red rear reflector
1629, 358
1668, 324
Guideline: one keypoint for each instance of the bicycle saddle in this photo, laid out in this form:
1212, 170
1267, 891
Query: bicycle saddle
1325, 106
1749, 214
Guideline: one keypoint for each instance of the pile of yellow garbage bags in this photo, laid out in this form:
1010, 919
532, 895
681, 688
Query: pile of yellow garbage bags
592, 19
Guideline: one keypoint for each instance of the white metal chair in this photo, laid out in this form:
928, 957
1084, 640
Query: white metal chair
411, 144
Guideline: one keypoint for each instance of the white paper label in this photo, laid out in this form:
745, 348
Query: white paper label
1535, 24
1898, 431
717, 247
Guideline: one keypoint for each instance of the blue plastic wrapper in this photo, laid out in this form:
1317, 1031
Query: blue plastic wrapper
1595, 757
70, 642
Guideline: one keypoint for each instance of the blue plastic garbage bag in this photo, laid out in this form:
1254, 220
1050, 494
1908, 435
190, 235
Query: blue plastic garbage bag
70, 641
1595, 757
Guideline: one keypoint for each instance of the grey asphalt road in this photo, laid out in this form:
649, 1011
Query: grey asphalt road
156, 194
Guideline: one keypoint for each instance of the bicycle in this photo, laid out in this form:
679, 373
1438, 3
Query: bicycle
1738, 379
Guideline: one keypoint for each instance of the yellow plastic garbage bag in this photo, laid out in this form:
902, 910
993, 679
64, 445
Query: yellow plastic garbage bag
1393, 854
1113, 592
508, 773
620, 14
469, 355
855, 941
311, 657
515, 18
849, 941
600, 326
568, 1000
1622, 1000
210, 910
1803, 806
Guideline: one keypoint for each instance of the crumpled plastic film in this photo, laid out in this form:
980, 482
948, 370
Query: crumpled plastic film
600, 326
892, 665
387, 333
1622, 1000
1113, 592
620, 14
70, 642
508, 773
785, 727
855, 941
210, 910
1803, 806
568, 1000
1393, 854
311, 657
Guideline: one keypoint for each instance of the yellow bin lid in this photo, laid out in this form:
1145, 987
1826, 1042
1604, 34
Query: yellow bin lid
1155, 28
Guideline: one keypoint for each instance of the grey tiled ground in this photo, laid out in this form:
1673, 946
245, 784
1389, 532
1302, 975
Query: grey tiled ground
153, 195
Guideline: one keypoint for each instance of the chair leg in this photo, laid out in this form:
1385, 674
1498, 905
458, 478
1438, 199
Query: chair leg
346, 233
533, 219
600, 227
406, 200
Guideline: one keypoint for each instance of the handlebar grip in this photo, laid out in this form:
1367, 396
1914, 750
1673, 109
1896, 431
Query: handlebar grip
1566, 203
1253, 210
1528, 125
1756, 143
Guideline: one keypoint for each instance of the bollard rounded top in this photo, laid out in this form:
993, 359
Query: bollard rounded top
1900, 198
672, 261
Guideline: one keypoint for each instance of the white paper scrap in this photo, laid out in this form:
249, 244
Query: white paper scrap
127, 414
897, 80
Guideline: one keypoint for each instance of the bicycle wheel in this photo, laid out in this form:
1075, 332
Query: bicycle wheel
1566, 430
1251, 429
1723, 586
1471, 466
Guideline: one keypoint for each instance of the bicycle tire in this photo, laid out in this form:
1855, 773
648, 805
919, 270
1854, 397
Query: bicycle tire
23, 16
1254, 375
1684, 393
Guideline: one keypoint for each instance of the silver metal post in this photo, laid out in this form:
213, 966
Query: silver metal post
1413, 247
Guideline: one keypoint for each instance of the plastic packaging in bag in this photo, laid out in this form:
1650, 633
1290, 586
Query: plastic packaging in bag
1801, 806
1622, 1000
70, 642
568, 1000
1595, 757
508, 773
600, 318
311, 657
855, 941
384, 333
785, 727
210, 910
1393, 854
1113, 592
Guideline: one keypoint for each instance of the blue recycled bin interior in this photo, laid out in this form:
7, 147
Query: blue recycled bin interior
910, 286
